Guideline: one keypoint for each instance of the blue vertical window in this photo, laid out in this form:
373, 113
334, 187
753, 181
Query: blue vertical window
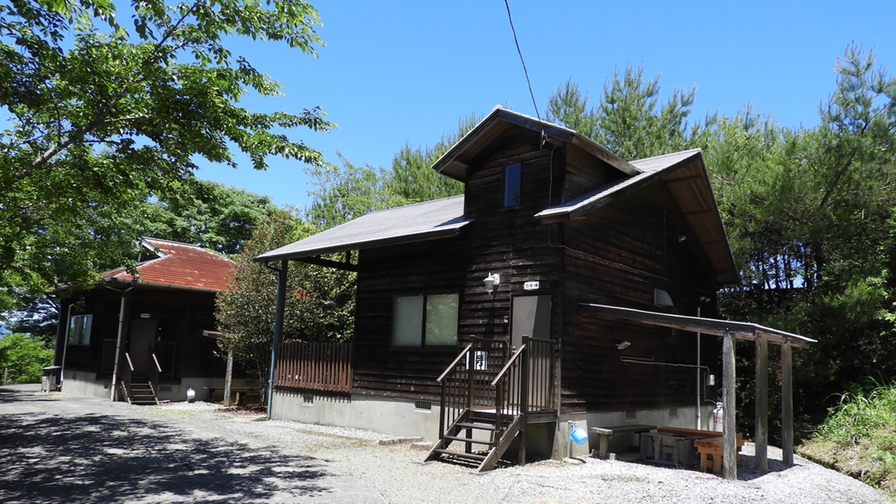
512, 185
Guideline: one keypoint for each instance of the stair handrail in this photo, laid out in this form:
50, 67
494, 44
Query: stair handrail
448, 413
153, 370
510, 396
455, 362
125, 378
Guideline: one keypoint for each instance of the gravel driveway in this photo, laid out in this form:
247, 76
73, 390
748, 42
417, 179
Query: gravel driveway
56, 448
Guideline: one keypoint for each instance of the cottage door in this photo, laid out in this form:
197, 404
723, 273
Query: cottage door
143, 333
531, 317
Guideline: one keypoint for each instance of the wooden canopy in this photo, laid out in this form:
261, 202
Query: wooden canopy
729, 330
740, 330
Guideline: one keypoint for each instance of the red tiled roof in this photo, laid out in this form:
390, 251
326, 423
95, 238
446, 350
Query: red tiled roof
178, 265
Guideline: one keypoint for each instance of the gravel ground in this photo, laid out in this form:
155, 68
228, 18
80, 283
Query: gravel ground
202, 452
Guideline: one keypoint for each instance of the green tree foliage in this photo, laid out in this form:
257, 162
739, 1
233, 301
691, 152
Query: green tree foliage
100, 116
319, 301
23, 357
629, 119
215, 216
340, 194
412, 178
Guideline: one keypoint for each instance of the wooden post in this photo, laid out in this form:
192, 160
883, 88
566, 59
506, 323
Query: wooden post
729, 459
228, 374
761, 404
282, 275
786, 404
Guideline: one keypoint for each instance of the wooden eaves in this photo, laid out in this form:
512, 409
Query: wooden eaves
740, 330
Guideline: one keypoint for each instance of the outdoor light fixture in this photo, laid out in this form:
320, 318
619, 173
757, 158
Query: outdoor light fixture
492, 281
191, 394
623, 345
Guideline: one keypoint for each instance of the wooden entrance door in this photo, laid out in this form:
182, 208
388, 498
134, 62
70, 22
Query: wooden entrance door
142, 335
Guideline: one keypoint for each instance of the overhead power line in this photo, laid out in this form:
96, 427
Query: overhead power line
518, 51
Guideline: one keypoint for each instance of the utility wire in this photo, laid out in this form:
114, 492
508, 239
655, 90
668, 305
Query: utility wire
517, 42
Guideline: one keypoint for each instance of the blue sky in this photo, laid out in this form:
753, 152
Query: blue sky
401, 72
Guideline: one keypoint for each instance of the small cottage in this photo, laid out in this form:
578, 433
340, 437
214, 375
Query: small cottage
138, 336
477, 312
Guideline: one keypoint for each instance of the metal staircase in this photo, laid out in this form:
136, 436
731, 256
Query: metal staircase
487, 400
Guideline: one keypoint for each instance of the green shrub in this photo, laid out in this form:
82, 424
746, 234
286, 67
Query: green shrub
23, 357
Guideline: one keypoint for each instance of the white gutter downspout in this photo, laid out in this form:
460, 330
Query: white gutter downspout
121, 313
68, 326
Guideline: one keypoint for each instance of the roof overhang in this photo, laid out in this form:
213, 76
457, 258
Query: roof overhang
740, 330
685, 175
431, 220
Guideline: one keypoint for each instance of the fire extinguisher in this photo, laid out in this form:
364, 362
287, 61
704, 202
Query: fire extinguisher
718, 418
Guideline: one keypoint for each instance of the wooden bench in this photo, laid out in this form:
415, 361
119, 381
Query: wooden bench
711, 452
605, 433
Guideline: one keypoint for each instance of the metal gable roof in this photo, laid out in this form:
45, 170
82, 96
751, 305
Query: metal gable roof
420, 221
456, 162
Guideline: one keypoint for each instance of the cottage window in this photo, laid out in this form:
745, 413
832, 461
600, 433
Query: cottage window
512, 185
79, 329
425, 320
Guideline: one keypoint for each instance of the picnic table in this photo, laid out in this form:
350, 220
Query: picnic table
709, 446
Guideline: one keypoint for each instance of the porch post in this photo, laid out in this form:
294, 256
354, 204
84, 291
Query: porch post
122, 311
278, 327
762, 403
729, 434
786, 404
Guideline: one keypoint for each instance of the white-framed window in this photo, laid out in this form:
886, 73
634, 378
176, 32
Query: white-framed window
424, 320
512, 181
79, 329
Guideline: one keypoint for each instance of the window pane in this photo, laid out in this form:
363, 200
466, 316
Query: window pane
441, 319
407, 321
79, 330
512, 185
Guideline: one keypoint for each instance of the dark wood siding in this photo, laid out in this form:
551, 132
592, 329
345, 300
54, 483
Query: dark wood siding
182, 316
617, 255
509, 242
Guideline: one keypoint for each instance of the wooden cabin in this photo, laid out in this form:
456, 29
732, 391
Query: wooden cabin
468, 308
140, 337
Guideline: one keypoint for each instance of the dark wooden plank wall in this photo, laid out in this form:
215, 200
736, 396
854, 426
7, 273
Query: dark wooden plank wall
585, 172
509, 242
182, 317
617, 255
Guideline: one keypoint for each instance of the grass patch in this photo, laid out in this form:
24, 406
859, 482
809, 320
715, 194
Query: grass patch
858, 437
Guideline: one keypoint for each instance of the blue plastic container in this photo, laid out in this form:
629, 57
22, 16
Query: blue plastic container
579, 436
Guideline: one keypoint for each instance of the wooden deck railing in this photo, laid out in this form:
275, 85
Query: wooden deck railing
482, 377
315, 365
526, 382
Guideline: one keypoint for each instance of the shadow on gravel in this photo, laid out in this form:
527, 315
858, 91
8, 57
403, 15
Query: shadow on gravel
746, 471
102, 458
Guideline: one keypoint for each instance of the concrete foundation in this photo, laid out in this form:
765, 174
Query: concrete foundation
83, 383
403, 418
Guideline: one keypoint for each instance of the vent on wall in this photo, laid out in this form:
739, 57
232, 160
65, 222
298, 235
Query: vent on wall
673, 412
631, 415
423, 405
308, 399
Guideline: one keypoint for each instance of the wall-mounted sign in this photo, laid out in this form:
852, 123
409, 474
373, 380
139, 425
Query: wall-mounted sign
530, 285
